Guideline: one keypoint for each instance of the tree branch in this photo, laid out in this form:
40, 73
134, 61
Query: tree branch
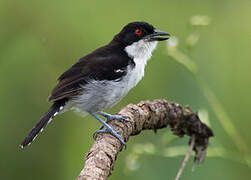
99, 161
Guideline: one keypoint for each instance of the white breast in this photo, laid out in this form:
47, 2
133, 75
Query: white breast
99, 95
141, 52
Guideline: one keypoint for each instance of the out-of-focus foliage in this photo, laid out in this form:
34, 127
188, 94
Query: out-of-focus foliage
244, 154
41, 39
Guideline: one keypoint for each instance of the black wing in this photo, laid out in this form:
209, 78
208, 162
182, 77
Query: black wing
106, 63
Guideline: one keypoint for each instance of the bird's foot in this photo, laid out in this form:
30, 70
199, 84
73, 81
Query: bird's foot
107, 128
110, 117
114, 133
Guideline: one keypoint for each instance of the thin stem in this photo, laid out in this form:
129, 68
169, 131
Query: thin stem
188, 154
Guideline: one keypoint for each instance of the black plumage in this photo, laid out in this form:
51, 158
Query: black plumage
101, 64
54, 109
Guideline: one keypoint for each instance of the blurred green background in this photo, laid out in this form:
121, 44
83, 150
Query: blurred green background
41, 39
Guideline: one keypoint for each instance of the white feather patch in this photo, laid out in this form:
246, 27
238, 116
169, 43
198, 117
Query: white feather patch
56, 113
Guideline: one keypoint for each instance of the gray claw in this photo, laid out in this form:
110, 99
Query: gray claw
114, 133
110, 117
123, 118
108, 128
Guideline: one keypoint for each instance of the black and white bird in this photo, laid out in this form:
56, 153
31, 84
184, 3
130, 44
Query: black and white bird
102, 78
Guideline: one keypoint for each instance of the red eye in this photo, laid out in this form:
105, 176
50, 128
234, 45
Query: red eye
138, 32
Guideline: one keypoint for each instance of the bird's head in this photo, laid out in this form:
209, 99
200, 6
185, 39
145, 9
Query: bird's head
136, 31
141, 35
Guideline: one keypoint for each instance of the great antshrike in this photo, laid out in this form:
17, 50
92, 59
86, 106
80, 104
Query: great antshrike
102, 78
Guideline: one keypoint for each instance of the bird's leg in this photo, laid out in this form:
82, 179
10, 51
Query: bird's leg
107, 129
110, 117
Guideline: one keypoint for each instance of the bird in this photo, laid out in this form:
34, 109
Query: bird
102, 78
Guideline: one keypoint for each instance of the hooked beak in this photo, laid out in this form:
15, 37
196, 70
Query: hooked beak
156, 36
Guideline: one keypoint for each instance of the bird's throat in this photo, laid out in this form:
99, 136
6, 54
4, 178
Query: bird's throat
141, 49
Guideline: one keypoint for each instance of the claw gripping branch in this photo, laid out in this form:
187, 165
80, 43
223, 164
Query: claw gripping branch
153, 115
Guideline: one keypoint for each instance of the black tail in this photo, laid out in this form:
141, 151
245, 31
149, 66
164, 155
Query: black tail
52, 112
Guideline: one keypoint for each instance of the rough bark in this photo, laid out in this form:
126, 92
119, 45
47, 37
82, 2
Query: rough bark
154, 115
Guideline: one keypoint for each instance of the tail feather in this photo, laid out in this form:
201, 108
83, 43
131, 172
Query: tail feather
46, 119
